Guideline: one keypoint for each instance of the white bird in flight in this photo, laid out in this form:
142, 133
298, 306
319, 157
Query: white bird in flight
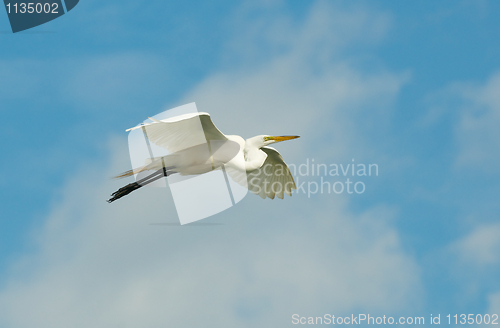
196, 146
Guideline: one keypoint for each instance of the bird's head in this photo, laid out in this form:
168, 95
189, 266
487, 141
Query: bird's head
264, 140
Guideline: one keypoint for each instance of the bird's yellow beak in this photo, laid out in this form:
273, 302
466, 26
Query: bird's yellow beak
283, 138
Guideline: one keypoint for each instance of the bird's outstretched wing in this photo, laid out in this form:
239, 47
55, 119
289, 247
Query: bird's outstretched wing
273, 178
182, 132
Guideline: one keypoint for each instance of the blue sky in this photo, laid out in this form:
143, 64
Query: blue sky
411, 86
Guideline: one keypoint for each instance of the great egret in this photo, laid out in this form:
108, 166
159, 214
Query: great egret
197, 147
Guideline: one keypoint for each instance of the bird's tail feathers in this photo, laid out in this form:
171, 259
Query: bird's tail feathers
131, 172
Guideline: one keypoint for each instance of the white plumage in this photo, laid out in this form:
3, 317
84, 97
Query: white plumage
196, 146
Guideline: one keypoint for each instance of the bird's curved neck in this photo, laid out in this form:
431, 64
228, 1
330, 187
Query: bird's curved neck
254, 158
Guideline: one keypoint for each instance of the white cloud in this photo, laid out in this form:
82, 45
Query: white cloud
328, 30
480, 247
478, 132
308, 89
474, 110
103, 265
494, 304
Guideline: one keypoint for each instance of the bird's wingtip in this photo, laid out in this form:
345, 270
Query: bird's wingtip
154, 120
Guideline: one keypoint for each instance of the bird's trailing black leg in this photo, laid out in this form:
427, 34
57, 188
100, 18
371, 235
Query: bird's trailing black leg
123, 191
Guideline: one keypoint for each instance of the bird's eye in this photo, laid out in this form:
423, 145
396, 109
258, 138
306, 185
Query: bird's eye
267, 138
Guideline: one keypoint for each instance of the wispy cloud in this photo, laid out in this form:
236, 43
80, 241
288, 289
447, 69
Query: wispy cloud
102, 265
478, 132
481, 247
